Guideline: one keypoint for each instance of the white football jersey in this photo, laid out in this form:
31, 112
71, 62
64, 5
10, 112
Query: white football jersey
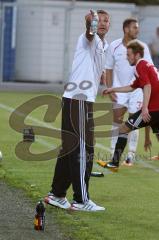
87, 67
116, 59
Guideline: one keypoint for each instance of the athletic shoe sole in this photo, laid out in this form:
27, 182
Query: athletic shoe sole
73, 208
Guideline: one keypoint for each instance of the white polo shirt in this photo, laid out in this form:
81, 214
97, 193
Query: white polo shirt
116, 59
87, 67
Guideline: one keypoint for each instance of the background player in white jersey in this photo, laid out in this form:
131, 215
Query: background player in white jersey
119, 73
75, 160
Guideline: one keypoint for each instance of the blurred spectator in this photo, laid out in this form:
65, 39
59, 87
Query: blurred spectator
154, 48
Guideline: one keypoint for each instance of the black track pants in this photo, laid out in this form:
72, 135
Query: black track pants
75, 160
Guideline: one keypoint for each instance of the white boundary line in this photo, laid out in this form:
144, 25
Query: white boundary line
41, 141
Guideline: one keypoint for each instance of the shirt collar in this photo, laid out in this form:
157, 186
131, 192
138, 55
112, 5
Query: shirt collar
139, 61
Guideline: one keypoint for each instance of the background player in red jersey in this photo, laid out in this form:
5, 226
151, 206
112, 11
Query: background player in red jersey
147, 78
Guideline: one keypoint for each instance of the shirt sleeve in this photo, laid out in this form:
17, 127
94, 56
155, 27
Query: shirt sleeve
135, 84
84, 43
147, 55
143, 72
109, 64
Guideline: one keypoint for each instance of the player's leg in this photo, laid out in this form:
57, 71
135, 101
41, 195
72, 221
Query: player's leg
89, 143
81, 169
132, 147
114, 137
134, 105
120, 145
155, 128
134, 122
77, 160
62, 177
118, 115
157, 137
119, 109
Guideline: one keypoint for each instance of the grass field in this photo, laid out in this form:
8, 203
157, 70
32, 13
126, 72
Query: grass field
131, 196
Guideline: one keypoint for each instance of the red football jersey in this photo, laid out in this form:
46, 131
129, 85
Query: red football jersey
146, 73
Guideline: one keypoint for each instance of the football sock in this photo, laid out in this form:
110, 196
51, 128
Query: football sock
133, 140
119, 148
114, 137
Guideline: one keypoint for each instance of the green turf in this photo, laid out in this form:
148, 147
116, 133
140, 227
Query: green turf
131, 196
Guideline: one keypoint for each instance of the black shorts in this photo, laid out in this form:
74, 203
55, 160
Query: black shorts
135, 121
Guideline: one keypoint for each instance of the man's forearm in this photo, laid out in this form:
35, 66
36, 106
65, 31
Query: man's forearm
123, 89
147, 94
109, 77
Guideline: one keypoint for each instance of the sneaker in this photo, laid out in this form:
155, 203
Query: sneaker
89, 206
129, 160
109, 165
57, 202
127, 163
112, 167
155, 158
101, 163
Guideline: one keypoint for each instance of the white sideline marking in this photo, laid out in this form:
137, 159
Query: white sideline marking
10, 109
101, 146
49, 145
148, 165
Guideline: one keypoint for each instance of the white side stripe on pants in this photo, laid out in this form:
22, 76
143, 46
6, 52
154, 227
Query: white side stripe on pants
137, 122
82, 150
